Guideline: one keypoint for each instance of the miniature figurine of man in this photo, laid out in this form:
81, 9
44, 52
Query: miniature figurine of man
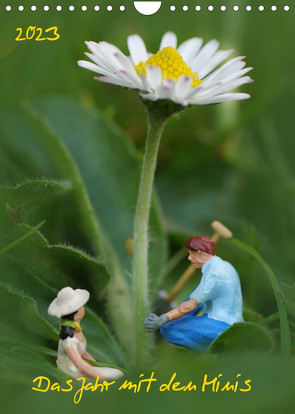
218, 295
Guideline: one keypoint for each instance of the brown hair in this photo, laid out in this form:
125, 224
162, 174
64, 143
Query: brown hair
201, 244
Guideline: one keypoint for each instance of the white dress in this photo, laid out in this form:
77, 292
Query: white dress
65, 364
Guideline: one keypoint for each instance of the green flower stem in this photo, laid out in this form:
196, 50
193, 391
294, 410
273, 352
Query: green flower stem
156, 123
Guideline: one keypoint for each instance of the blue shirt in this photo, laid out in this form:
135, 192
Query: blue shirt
220, 291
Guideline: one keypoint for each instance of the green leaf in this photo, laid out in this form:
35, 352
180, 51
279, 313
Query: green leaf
57, 161
24, 328
81, 267
22, 200
21, 238
30, 263
41, 269
242, 337
100, 343
67, 169
21, 364
118, 298
22, 320
250, 315
12, 343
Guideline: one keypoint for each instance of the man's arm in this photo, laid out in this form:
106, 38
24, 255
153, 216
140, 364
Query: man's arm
153, 322
182, 309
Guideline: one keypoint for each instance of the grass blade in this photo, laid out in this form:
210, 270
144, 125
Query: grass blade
285, 332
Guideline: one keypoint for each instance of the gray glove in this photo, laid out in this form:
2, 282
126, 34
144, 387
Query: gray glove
153, 322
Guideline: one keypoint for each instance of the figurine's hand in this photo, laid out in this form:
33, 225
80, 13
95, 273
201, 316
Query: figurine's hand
153, 322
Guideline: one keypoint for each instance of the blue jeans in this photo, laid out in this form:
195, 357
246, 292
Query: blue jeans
190, 331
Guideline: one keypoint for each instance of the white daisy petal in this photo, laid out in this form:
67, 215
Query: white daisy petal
102, 64
226, 86
118, 82
183, 87
137, 49
204, 55
169, 39
158, 81
102, 57
163, 92
149, 96
145, 84
221, 98
116, 61
111, 48
193, 92
170, 83
166, 90
216, 59
207, 90
124, 77
127, 77
189, 49
229, 67
128, 69
153, 76
210, 86
91, 66
234, 75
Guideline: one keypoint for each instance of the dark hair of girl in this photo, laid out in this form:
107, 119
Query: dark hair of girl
67, 330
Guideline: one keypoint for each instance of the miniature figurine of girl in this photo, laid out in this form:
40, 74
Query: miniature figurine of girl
69, 306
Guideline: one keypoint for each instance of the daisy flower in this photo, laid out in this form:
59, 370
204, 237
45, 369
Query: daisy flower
187, 75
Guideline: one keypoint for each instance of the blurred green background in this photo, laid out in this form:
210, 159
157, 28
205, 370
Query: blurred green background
233, 162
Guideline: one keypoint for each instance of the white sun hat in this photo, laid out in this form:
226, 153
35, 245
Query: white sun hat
68, 301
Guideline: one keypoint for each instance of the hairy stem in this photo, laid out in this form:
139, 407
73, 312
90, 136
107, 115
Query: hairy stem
156, 123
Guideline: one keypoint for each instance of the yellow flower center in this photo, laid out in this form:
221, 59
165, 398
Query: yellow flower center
171, 64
